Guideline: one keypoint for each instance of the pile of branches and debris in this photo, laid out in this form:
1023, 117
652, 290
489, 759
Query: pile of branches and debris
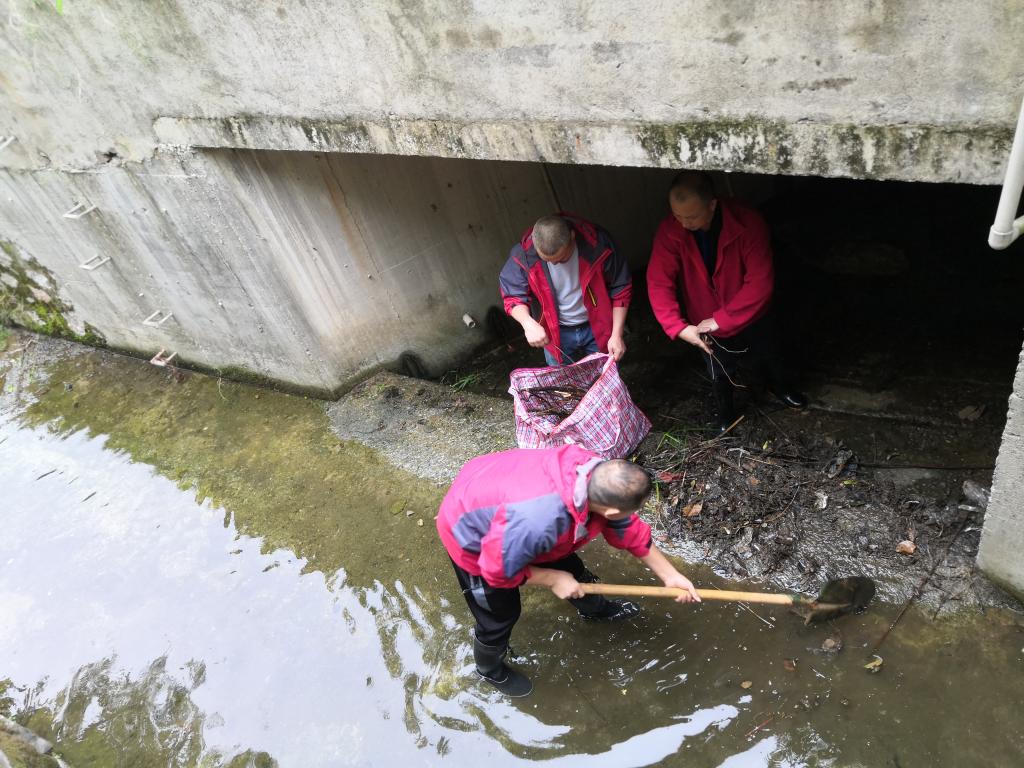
757, 503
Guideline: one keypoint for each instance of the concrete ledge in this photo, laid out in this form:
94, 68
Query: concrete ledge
930, 153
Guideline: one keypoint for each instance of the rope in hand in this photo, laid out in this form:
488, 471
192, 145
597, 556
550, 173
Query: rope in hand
706, 337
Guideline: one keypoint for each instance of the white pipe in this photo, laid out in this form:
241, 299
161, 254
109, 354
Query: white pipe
1006, 229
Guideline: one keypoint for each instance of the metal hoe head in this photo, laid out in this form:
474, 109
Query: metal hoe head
837, 598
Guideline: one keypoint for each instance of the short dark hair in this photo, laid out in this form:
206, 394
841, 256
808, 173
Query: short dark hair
688, 183
618, 484
550, 234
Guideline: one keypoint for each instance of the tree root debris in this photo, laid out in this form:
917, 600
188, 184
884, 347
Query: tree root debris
757, 503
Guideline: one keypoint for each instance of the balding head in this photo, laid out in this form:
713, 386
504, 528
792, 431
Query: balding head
618, 485
692, 200
553, 238
692, 183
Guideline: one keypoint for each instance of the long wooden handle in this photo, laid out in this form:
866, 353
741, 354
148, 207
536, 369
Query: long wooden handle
631, 590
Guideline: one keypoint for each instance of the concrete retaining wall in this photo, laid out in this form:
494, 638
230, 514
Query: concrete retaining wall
1002, 540
303, 268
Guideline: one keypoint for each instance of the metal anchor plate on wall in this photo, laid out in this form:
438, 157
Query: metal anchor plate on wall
155, 320
79, 211
96, 261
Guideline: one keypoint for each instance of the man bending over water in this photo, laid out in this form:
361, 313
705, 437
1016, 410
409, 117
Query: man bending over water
518, 517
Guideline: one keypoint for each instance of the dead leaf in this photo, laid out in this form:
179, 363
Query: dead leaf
669, 477
789, 665
754, 481
746, 684
822, 498
906, 547
875, 665
692, 510
838, 464
971, 412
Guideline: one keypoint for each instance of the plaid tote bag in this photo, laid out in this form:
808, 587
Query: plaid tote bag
585, 403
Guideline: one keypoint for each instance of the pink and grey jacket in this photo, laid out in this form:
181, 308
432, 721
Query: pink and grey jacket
510, 510
604, 280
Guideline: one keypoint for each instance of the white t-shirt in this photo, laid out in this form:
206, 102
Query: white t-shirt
565, 282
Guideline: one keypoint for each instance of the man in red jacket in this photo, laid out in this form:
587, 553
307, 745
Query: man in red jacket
581, 286
518, 517
717, 255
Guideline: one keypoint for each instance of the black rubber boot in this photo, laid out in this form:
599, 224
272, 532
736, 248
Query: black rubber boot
609, 610
725, 411
491, 666
599, 607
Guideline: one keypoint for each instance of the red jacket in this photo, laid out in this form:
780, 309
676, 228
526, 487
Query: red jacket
508, 510
740, 291
604, 280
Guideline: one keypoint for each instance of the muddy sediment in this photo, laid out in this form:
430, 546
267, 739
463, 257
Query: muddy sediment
423, 427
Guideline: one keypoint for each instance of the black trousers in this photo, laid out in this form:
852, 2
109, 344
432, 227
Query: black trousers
496, 610
757, 348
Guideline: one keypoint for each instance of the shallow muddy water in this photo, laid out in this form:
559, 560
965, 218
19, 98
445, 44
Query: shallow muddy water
201, 573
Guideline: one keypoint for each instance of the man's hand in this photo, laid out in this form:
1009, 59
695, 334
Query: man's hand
691, 335
566, 586
707, 326
616, 347
681, 582
536, 336
669, 576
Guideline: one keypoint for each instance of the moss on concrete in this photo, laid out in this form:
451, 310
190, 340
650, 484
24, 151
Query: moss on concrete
29, 298
859, 151
6, 702
749, 141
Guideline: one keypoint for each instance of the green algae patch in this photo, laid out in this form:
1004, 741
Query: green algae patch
746, 142
268, 458
29, 298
